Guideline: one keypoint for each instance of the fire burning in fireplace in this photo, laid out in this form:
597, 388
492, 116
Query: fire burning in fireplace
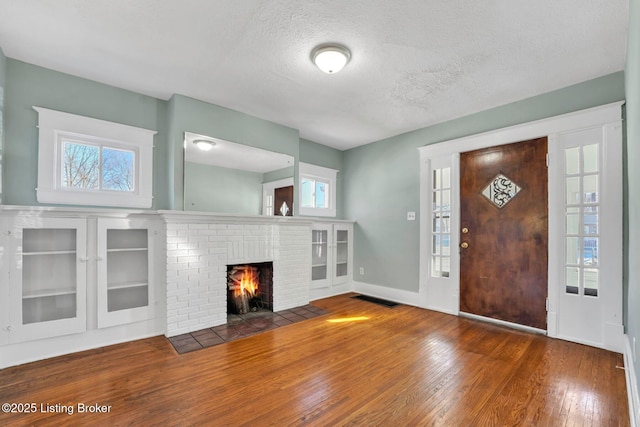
244, 279
247, 285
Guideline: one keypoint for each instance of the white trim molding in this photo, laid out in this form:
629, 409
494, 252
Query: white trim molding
54, 125
632, 383
323, 174
608, 119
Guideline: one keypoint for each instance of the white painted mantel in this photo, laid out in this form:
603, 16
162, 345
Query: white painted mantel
199, 246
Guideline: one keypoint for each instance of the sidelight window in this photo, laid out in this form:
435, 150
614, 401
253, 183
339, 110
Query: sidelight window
441, 223
582, 207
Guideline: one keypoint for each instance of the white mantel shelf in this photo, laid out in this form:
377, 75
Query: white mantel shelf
196, 216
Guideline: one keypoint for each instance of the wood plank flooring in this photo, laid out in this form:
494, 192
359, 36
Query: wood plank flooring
400, 366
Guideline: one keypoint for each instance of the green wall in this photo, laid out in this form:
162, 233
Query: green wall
321, 155
29, 85
278, 174
222, 190
190, 115
382, 179
632, 267
3, 68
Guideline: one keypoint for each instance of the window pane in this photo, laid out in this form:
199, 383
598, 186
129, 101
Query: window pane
437, 183
573, 251
572, 280
572, 161
445, 266
436, 223
590, 183
117, 169
590, 158
446, 248
590, 220
591, 282
446, 178
81, 166
435, 266
590, 251
436, 244
436, 201
573, 223
446, 224
573, 190
321, 195
307, 186
446, 200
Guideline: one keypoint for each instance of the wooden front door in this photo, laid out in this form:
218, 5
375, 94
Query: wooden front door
503, 224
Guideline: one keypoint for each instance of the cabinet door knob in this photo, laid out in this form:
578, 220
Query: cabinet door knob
10, 328
464, 245
84, 259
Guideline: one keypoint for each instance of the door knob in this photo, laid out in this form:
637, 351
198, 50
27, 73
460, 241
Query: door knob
465, 230
464, 245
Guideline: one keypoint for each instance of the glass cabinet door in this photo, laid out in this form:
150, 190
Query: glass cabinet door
125, 260
127, 269
319, 252
49, 284
342, 253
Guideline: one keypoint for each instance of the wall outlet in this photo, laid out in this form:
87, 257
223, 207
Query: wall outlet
411, 216
362, 274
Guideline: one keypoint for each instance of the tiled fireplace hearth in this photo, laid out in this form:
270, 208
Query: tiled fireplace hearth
201, 246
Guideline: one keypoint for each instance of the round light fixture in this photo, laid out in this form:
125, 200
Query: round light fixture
330, 58
204, 144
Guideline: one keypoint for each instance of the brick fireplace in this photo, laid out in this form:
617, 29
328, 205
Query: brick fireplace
200, 246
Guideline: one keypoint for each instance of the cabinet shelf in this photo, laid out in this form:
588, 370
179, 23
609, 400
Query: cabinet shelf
318, 265
126, 285
342, 241
49, 293
48, 253
128, 250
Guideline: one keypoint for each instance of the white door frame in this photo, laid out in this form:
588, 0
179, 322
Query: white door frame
609, 117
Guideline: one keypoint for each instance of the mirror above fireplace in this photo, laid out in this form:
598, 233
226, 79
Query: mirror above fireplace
227, 177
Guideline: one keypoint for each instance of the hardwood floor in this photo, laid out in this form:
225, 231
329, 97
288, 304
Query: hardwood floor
393, 367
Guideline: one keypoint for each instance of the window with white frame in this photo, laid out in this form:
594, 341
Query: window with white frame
86, 161
441, 223
317, 190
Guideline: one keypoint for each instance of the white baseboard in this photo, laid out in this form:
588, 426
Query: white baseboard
632, 384
331, 291
31, 351
391, 294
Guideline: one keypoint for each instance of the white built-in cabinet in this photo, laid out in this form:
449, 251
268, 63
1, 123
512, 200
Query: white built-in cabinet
47, 278
63, 276
125, 248
331, 256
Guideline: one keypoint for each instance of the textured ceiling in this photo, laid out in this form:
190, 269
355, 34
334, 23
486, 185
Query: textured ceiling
414, 62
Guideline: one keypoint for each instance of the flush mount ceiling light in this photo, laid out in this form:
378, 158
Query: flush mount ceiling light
203, 144
330, 58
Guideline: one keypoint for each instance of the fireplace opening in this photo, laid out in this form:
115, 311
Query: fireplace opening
249, 287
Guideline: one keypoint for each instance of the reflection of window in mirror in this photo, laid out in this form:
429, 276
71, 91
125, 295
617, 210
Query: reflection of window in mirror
317, 190
277, 197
